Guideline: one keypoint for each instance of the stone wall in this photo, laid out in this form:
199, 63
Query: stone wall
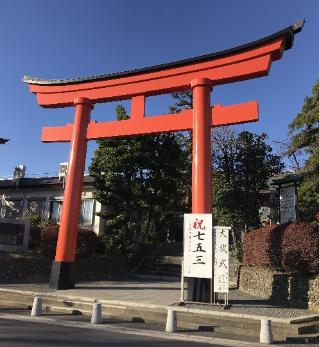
30, 267
263, 282
280, 288
234, 266
313, 302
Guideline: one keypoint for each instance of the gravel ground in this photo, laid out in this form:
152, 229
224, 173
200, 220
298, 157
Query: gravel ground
247, 304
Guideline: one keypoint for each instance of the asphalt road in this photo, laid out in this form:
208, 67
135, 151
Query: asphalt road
14, 333
18, 329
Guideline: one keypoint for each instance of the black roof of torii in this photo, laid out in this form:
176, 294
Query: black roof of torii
288, 33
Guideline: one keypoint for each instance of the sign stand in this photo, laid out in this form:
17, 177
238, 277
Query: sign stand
206, 255
211, 290
221, 262
226, 299
182, 283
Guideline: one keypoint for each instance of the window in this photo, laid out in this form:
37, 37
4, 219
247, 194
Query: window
12, 208
36, 205
55, 210
86, 212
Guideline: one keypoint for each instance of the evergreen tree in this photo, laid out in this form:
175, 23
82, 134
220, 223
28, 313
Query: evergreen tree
184, 100
142, 182
255, 164
242, 164
304, 131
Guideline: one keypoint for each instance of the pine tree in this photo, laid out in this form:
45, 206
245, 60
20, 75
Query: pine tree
304, 131
142, 182
243, 162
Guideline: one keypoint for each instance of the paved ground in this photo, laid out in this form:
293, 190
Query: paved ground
17, 329
33, 334
163, 293
159, 294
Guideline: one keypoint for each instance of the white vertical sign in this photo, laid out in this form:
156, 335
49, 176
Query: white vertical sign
221, 261
287, 204
198, 245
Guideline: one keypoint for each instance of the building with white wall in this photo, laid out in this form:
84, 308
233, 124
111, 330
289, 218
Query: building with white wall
45, 196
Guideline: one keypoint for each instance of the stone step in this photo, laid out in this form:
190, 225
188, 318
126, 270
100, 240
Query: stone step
163, 274
166, 246
308, 327
162, 268
168, 249
167, 252
166, 259
306, 338
158, 271
167, 268
171, 244
148, 276
163, 260
305, 319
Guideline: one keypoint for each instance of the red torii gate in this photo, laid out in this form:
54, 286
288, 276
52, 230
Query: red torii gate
199, 74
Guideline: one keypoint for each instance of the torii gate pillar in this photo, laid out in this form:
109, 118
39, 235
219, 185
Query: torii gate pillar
62, 273
199, 289
201, 167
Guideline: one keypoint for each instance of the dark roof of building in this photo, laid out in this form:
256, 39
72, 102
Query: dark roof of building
286, 179
288, 33
39, 182
3, 141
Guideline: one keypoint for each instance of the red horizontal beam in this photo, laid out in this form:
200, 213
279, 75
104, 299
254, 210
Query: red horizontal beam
221, 115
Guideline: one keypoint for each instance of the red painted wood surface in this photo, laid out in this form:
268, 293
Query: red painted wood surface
137, 125
201, 147
66, 244
253, 63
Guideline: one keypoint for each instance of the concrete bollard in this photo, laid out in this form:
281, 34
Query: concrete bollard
36, 307
266, 331
171, 323
96, 314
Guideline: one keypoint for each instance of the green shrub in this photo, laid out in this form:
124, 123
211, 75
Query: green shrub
87, 242
37, 223
133, 251
236, 250
48, 241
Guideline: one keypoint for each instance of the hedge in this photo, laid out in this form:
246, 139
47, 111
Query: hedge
300, 248
35, 237
262, 246
48, 240
290, 247
86, 241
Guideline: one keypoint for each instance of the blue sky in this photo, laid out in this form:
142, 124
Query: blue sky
74, 38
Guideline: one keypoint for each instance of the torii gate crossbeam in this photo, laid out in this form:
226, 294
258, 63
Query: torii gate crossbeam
200, 74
